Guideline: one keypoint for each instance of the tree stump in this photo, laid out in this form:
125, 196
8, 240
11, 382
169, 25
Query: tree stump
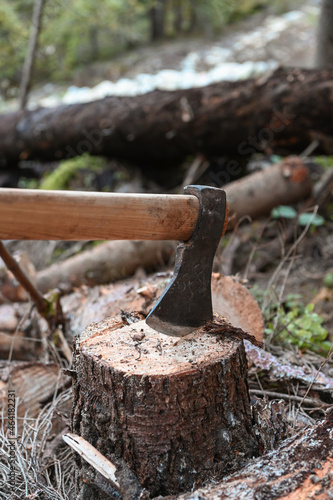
175, 410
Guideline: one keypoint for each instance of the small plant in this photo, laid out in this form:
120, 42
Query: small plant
287, 212
301, 326
324, 161
297, 324
328, 279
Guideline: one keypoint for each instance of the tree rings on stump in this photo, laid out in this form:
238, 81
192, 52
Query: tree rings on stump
175, 410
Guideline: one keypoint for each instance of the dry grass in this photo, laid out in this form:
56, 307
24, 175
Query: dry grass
35, 476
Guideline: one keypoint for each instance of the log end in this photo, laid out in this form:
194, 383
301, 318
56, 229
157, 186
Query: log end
139, 350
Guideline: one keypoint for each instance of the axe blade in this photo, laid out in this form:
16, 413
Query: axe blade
186, 303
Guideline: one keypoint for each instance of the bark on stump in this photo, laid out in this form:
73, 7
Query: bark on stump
177, 411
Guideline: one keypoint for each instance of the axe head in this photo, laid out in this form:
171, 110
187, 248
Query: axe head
186, 303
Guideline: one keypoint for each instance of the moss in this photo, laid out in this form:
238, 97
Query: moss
324, 161
67, 170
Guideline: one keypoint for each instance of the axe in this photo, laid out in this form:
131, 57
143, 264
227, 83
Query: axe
198, 218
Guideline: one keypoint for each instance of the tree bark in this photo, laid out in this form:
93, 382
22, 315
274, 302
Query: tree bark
300, 469
176, 411
281, 113
178, 16
157, 14
324, 52
94, 42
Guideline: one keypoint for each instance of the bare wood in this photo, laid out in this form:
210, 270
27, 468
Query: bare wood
92, 456
119, 476
178, 410
72, 215
69, 215
230, 299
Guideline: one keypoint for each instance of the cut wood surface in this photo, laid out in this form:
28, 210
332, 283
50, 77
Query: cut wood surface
86, 305
161, 403
118, 476
230, 299
300, 469
32, 214
281, 112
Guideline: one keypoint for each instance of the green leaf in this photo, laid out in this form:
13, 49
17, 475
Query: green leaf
304, 334
326, 345
276, 158
321, 334
309, 218
283, 211
328, 280
309, 308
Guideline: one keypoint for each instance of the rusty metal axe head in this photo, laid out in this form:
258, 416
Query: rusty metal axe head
186, 304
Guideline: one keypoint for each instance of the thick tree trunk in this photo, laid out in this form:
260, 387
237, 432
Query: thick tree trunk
94, 42
157, 14
176, 411
283, 113
178, 16
324, 53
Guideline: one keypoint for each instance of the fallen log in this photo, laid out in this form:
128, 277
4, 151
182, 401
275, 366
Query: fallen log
175, 410
104, 263
282, 113
256, 194
301, 468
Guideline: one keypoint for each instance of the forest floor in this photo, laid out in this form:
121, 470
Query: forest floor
285, 274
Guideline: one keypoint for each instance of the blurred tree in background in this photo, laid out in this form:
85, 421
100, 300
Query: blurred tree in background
77, 32
14, 34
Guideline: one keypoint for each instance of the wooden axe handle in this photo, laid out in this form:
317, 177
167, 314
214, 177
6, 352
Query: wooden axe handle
27, 214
